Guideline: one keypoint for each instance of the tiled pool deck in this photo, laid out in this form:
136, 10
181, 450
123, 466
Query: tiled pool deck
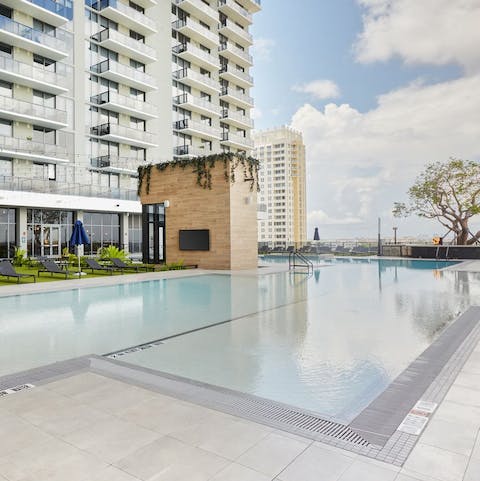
85, 426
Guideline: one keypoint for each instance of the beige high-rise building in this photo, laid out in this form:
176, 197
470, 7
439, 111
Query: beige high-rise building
282, 187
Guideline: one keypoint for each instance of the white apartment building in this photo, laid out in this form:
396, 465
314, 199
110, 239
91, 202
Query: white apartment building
86, 97
282, 180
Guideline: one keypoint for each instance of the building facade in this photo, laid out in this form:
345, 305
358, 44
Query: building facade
282, 180
86, 97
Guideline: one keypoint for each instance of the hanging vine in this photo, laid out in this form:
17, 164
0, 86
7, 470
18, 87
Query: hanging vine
202, 166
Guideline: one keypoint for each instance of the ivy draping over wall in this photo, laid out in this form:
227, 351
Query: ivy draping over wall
201, 167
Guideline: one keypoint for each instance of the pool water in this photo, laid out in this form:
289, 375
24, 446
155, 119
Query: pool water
328, 343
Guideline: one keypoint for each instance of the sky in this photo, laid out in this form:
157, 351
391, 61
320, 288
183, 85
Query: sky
378, 88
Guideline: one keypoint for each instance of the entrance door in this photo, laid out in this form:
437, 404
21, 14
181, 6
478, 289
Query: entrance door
51, 241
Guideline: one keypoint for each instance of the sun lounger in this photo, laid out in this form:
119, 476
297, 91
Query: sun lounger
7, 270
95, 266
119, 264
51, 267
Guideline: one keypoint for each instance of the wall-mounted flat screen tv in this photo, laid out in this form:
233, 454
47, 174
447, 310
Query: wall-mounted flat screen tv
194, 240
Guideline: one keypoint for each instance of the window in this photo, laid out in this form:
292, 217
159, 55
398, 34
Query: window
6, 128
138, 153
7, 232
135, 233
44, 135
43, 27
137, 36
104, 52
103, 230
6, 89
6, 168
110, 84
44, 62
137, 65
43, 98
5, 50
139, 94
6, 11
136, 123
44, 171
136, 7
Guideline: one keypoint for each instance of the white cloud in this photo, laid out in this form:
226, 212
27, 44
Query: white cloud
319, 89
358, 164
256, 113
262, 49
436, 32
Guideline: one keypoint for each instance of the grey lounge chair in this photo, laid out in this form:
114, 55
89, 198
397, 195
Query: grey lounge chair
7, 270
119, 264
51, 267
95, 266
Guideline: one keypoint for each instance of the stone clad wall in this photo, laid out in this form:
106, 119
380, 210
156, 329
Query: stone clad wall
228, 210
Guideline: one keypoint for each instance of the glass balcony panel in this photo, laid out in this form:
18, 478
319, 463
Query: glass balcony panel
190, 77
233, 6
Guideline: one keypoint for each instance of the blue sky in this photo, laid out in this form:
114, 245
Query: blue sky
390, 75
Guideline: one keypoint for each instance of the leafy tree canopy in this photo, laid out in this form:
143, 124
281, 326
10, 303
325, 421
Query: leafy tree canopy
448, 192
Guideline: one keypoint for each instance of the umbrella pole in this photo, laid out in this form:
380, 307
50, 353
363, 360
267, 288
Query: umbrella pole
78, 257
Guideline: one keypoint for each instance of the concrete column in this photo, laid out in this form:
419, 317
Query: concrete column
79, 216
21, 228
124, 231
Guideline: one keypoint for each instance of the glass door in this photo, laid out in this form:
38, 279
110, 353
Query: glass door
51, 241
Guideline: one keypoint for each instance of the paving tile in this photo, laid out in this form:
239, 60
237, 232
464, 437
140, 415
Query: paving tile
473, 470
476, 448
24, 401
463, 395
112, 474
472, 366
458, 437
236, 472
77, 384
404, 477
111, 440
226, 437
456, 412
438, 463
466, 379
369, 471
272, 454
316, 464
168, 459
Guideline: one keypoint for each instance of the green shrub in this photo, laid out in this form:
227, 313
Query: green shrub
113, 252
19, 257
176, 266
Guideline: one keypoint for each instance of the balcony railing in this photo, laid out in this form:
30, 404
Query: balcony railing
236, 94
128, 11
200, 6
113, 162
21, 108
198, 28
122, 131
205, 129
197, 101
60, 41
235, 6
130, 103
60, 150
236, 30
197, 52
197, 77
226, 46
182, 150
237, 73
123, 70
61, 79
130, 43
237, 139
27, 184
64, 8
238, 117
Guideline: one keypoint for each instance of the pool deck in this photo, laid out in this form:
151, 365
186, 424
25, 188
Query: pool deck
84, 425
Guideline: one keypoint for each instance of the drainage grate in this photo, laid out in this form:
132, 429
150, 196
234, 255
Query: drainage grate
142, 347
300, 421
15, 389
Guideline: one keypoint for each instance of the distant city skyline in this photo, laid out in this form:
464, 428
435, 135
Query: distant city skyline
378, 89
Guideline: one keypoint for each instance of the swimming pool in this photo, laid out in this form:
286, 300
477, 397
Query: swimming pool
329, 343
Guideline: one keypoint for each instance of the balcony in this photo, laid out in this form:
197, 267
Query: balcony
253, 6
37, 78
124, 135
125, 45
55, 13
124, 74
125, 15
122, 104
18, 148
199, 10
22, 36
197, 80
198, 129
27, 184
196, 104
236, 141
237, 119
116, 165
235, 11
235, 33
188, 151
235, 54
229, 94
197, 56
30, 113
196, 31
238, 77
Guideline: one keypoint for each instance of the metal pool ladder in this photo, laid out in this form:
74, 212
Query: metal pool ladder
297, 259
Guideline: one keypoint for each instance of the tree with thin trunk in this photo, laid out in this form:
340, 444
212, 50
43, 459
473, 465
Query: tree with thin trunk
448, 192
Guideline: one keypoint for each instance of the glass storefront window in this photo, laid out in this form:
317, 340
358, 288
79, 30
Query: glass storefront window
135, 233
7, 232
103, 230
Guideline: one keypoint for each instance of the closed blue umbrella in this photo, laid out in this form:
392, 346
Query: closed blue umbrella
79, 237
316, 235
